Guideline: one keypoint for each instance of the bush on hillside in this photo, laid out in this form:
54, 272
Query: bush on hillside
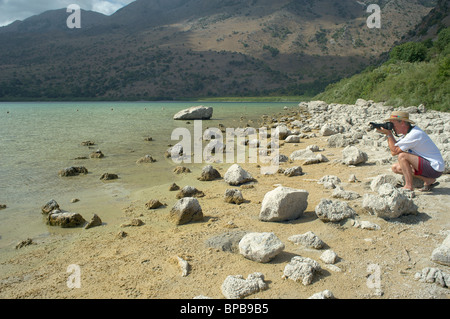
409, 52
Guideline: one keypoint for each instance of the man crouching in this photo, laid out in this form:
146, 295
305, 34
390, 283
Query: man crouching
417, 154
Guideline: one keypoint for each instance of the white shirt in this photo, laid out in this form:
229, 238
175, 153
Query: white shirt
417, 142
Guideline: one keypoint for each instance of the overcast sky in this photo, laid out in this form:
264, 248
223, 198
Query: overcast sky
12, 10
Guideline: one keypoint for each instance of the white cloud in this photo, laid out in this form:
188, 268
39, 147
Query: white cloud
12, 10
106, 7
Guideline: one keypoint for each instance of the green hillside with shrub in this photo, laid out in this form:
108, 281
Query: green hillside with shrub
416, 73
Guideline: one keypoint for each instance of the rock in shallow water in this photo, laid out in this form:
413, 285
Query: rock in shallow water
65, 219
195, 113
73, 171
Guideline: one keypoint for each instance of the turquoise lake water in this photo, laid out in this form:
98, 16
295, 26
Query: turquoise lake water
37, 140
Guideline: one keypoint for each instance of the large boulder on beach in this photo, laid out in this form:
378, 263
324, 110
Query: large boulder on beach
186, 210
389, 203
283, 203
236, 175
195, 113
260, 247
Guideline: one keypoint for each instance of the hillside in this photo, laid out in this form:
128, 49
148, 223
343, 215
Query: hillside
196, 48
416, 73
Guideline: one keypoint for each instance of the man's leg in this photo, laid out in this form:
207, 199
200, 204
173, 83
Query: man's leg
407, 164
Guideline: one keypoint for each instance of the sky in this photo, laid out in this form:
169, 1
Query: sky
12, 10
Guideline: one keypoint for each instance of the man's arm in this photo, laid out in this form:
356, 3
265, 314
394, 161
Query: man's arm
395, 150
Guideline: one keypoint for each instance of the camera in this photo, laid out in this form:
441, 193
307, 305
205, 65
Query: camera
388, 125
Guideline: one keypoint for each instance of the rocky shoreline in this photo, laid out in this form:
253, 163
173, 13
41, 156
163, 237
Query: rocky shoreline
330, 219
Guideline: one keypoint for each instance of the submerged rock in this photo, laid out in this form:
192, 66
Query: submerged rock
109, 176
97, 154
24, 243
146, 159
73, 171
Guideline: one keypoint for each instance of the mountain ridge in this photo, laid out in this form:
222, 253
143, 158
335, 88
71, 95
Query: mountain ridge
190, 48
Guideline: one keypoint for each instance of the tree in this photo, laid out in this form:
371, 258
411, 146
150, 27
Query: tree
443, 39
409, 52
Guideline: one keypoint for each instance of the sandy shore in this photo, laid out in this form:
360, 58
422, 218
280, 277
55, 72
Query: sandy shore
143, 263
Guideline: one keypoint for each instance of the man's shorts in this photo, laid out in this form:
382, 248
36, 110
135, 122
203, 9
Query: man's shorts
426, 170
